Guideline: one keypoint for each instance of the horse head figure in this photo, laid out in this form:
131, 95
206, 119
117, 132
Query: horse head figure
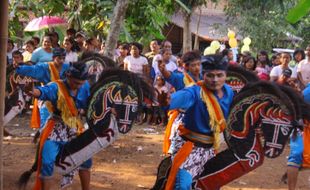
96, 64
118, 90
16, 87
112, 108
265, 111
261, 119
238, 77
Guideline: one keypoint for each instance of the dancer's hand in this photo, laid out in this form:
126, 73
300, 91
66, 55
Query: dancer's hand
34, 93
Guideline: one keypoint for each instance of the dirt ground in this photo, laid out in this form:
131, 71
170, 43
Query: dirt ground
130, 163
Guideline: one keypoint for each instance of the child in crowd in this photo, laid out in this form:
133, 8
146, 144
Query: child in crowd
29, 47
249, 63
124, 52
160, 107
71, 55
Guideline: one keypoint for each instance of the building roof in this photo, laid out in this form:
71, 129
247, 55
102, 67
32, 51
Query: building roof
209, 25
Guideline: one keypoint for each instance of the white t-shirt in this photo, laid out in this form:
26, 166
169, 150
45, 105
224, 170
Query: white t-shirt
304, 69
135, 65
159, 56
277, 71
71, 57
170, 66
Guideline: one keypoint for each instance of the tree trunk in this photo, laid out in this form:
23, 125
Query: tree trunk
196, 43
4, 12
116, 24
187, 34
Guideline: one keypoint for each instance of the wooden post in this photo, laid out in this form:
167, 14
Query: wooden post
4, 9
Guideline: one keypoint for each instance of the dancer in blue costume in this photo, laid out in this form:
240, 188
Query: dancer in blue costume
206, 107
69, 100
179, 80
296, 159
45, 72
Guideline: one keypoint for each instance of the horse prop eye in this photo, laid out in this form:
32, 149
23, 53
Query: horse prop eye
134, 108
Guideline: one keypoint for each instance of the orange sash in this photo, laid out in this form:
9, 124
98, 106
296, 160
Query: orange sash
306, 138
179, 158
217, 119
188, 81
217, 124
172, 115
35, 117
69, 112
46, 132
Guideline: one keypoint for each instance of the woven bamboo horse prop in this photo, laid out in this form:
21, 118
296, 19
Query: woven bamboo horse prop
15, 99
17, 84
261, 119
121, 90
116, 89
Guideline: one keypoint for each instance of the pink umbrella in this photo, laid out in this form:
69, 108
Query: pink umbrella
44, 22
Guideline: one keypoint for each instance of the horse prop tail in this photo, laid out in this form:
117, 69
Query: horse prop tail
24, 178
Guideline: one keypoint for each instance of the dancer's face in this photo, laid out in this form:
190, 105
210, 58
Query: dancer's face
214, 79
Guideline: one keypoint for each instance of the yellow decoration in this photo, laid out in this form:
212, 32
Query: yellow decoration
245, 48
215, 45
101, 24
247, 41
209, 50
233, 42
231, 34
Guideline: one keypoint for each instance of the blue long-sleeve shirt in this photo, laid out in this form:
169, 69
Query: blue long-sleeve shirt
40, 71
306, 93
196, 114
50, 93
176, 79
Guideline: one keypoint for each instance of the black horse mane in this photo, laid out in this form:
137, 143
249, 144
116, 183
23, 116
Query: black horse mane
87, 55
238, 70
272, 88
300, 104
137, 82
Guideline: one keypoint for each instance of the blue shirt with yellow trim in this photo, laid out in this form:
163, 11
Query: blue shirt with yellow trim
176, 79
196, 114
40, 71
50, 93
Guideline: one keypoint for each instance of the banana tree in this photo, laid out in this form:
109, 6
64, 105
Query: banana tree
299, 11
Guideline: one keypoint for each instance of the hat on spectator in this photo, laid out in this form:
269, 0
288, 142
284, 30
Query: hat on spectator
81, 34
287, 72
59, 52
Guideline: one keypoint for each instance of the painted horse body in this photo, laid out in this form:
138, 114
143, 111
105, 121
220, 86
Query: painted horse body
112, 108
104, 127
260, 122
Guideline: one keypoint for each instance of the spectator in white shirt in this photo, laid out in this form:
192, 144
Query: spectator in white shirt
165, 56
278, 70
303, 69
135, 62
71, 56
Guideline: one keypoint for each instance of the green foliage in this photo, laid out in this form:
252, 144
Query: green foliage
144, 19
264, 21
300, 10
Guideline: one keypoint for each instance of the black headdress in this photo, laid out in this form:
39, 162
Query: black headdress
78, 70
214, 62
